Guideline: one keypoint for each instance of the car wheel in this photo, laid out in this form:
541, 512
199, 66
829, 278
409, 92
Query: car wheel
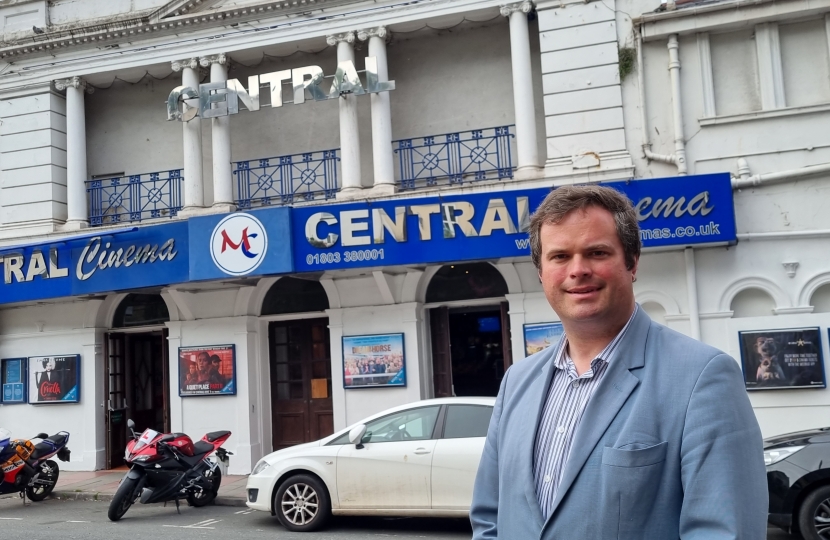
302, 503
814, 515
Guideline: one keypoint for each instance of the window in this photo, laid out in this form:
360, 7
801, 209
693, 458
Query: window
294, 295
466, 281
409, 425
141, 310
467, 421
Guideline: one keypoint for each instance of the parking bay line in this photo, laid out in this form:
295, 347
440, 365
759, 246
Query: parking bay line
12, 519
201, 525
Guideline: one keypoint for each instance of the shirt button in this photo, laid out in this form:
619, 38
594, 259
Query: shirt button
575, 384
547, 478
561, 429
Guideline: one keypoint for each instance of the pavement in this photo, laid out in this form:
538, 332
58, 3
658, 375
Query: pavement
101, 486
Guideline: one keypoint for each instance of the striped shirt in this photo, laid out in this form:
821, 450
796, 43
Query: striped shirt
567, 398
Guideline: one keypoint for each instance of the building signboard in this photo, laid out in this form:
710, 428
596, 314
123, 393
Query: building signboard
691, 210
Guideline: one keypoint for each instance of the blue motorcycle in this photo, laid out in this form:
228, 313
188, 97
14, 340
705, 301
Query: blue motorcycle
27, 467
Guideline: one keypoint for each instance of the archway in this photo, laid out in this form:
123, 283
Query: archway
137, 371
752, 302
470, 332
300, 362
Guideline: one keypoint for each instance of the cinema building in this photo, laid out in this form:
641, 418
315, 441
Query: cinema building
279, 217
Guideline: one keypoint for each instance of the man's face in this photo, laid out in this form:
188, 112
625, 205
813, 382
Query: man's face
583, 269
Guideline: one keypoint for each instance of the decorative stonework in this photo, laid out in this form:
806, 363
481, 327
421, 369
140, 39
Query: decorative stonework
179, 65
73, 82
790, 267
378, 31
345, 37
523, 7
207, 61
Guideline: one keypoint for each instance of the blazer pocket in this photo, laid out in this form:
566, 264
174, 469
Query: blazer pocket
643, 457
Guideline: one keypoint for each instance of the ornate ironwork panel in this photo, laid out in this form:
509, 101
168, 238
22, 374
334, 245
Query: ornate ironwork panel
135, 197
455, 158
286, 179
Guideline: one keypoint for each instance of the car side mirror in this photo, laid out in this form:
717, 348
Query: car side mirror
356, 435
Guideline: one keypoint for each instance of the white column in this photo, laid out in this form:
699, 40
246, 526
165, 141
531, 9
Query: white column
76, 171
350, 181
221, 139
691, 286
527, 165
381, 115
194, 193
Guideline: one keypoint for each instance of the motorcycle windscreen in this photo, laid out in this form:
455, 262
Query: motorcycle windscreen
146, 438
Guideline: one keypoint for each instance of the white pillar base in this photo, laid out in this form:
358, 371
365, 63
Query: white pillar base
383, 190
189, 211
530, 172
74, 225
350, 193
222, 208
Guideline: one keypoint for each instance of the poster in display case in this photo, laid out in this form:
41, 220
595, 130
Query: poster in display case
207, 371
55, 379
779, 359
374, 361
13, 380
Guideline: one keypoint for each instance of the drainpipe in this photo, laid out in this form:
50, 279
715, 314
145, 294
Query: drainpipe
679, 157
691, 285
745, 180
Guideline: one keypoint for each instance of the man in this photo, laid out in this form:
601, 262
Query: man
624, 429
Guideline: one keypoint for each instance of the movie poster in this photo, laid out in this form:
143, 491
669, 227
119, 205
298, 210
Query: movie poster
207, 371
540, 336
13, 380
373, 361
55, 379
775, 359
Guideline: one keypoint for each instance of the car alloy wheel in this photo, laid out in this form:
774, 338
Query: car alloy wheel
814, 515
302, 503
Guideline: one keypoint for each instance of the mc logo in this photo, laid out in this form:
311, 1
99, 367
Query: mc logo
238, 244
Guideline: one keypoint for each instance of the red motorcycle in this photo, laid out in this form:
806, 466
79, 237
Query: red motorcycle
169, 467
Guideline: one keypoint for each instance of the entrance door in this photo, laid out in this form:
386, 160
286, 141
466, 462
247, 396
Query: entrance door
137, 387
470, 350
300, 359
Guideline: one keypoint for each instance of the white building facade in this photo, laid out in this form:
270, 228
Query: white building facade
386, 156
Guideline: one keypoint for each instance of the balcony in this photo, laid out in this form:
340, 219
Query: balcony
134, 198
451, 159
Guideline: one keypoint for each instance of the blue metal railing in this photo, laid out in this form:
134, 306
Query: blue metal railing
135, 197
453, 158
286, 179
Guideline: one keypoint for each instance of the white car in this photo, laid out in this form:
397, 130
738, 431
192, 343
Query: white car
418, 459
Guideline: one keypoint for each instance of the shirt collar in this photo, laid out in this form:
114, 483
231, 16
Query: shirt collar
561, 360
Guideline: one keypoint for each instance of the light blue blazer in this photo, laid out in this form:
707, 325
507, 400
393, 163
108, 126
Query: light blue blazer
668, 448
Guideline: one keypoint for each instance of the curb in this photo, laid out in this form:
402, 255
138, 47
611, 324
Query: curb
107, 497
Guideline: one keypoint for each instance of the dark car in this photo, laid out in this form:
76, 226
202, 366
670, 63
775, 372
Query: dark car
798, 476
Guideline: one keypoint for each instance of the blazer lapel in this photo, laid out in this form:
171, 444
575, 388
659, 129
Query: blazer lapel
610, 396
535, 397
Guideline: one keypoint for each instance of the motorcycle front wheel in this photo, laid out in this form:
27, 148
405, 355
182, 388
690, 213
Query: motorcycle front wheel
44, 481
205, 497
123, 499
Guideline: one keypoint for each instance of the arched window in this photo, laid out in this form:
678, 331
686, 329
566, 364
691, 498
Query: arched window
656, 311
752, 303
293, 295
466, 282
141, 310
821, 299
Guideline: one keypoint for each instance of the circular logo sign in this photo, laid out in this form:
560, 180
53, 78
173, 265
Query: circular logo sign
238, 244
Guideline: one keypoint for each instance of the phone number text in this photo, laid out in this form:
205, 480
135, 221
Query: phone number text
346, 256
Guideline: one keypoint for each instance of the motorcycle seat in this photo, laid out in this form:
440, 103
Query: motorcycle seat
213, 435
58, 439
41, 449
201, 447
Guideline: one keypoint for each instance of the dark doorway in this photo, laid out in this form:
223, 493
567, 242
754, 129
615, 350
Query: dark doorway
300, 360
136, 387
470, 350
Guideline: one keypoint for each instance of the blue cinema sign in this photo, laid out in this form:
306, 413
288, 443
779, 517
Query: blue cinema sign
673, 212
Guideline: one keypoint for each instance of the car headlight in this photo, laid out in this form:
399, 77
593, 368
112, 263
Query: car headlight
775, 455
260, 467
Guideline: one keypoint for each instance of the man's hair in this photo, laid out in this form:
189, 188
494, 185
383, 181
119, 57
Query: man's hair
214, 359
563, 200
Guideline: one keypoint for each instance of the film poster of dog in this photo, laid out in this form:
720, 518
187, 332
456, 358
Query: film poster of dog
776, 359
207, 371
54, 379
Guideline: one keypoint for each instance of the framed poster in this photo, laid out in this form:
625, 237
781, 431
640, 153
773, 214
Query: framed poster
776, 359
55, 379
373, 361
540, 336
207, 371
13, 380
